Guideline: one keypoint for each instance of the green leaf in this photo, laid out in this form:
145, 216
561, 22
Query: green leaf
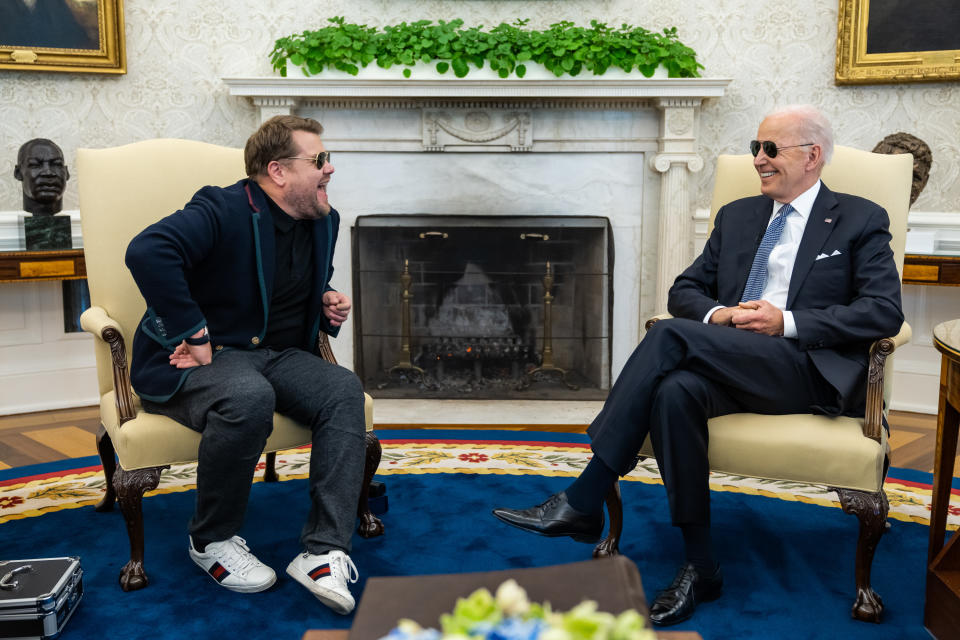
406, 72
442, 67
521, 70
459, 67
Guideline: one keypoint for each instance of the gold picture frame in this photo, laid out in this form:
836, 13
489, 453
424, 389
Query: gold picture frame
82, 36
858, 63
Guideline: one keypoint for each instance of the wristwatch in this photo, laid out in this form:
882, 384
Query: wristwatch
196, 342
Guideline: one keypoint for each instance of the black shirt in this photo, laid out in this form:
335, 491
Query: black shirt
292, 281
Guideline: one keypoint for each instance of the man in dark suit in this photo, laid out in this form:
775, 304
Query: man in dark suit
776, 316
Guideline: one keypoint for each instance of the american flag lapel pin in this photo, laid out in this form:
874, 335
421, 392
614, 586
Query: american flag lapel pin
828, 220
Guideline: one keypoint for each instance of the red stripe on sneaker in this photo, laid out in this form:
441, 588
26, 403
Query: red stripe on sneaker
319, 572
218, 572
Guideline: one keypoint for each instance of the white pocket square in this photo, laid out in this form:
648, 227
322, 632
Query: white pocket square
822, 256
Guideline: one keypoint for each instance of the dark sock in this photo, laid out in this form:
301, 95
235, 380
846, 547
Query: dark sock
587, 492
699, 549
200, 545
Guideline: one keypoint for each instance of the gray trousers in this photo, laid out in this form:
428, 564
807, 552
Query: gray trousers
231, 403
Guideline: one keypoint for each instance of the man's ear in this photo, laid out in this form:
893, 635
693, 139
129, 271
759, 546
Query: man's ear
17, 173
814, 157
276, 172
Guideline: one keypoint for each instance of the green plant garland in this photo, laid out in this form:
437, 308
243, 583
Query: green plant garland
564, 48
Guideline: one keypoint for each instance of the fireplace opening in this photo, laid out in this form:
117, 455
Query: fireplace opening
483, 307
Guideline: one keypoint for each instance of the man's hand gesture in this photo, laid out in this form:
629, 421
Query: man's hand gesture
758, 316
336, 307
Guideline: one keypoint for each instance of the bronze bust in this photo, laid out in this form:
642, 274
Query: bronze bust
41, 169
44, 174
922, 158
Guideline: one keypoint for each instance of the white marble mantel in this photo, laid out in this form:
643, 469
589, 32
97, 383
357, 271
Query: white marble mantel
634, 140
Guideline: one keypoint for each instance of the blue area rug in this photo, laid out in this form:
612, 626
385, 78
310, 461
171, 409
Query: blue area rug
788, 565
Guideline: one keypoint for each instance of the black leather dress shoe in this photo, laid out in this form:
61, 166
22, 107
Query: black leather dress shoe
677, 602
555, 517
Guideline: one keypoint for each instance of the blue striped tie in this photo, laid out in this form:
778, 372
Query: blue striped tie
758, 271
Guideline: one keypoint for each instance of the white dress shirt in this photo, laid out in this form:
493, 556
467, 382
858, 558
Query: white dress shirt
783, 255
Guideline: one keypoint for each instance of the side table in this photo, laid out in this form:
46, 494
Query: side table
941, 613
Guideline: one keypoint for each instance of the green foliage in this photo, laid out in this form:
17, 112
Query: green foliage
564, 48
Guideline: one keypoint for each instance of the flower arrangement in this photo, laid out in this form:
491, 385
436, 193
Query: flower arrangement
564, 48
509, 615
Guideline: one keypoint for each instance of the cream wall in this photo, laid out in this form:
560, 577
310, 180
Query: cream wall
776, 52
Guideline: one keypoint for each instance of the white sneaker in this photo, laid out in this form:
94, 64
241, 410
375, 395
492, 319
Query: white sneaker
326, 577
231, 564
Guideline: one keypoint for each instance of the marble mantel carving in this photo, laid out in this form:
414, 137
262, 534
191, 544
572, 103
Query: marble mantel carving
656, 120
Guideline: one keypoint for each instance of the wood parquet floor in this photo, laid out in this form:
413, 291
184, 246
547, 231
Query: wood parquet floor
47, 436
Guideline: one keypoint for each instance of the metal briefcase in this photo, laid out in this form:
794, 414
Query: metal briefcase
38, 596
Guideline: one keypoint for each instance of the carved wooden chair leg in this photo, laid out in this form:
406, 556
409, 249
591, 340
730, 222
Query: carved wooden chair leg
370, 525
871, 510
270, 471
130, 487
109, 461
610, 546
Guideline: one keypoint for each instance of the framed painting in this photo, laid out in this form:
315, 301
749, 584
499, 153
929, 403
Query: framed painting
886, 41
62, 35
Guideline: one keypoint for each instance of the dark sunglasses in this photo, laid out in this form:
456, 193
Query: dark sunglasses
770, 148
320, 159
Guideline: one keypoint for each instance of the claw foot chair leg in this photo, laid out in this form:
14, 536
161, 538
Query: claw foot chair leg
610, 546
370, 525
109, 461
270, 470
871, 510
130, 487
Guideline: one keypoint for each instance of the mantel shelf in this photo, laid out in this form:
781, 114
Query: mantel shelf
566, 87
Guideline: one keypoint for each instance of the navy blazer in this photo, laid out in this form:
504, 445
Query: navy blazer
212, 264
844, 289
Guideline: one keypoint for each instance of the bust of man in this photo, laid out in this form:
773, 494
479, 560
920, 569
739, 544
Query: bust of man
44, 175
922, 158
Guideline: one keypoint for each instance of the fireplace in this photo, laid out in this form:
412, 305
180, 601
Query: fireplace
626, 150
481, 307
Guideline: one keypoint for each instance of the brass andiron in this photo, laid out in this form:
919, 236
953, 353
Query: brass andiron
546, 359
403, 360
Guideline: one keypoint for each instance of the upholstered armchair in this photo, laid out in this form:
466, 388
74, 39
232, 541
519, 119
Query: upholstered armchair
848, 455
122, 190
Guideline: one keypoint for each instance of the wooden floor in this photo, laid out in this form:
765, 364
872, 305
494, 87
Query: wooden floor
32, 438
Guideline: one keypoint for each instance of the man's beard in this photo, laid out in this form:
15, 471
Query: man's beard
306, 206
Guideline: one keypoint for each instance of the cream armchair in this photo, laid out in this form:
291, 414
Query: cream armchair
848, 455
122, 190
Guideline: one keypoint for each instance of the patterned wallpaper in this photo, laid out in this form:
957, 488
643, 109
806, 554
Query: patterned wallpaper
777, 52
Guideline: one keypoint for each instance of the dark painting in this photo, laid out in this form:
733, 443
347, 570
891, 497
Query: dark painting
53, 24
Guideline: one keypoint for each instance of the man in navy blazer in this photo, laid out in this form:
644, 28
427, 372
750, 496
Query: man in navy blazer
237, 286
776, 316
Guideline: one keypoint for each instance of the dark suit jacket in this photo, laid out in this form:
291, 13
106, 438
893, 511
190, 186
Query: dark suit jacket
840, 303
212, 264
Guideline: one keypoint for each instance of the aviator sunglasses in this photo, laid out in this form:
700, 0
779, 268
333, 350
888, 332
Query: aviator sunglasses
770, 148
320, 159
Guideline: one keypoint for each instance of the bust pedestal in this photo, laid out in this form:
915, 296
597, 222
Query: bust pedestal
43, 233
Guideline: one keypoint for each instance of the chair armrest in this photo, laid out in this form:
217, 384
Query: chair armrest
96, 321
660, 316
324, 349
879, 351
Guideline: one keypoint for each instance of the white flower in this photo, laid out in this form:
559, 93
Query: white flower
512, 599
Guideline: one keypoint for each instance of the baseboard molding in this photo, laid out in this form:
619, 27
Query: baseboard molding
48, 390
915, 392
